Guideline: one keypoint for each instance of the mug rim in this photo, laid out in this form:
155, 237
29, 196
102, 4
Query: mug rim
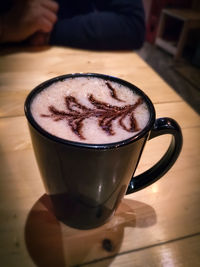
45, 84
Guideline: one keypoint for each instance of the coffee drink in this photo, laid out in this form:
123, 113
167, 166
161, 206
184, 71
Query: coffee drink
87, 177
90, 110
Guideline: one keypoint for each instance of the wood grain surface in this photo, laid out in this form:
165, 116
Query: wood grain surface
158, 226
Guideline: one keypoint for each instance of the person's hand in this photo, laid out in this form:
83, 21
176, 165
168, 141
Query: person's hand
28, 17
39, 38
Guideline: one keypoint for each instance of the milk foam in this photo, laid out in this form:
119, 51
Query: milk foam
81, 88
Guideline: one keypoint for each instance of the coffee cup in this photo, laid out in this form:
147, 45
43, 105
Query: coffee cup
88, 133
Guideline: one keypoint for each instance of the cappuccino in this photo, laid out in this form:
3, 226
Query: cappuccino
90, 110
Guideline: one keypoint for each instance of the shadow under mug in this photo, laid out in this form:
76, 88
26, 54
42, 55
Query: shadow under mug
87, 181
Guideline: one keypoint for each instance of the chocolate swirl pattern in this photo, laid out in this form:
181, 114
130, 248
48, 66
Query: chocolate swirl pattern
76, 113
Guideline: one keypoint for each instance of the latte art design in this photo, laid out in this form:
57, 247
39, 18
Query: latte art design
76, 113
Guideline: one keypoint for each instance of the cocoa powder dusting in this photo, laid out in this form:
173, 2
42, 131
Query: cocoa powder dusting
113, 92
76, 113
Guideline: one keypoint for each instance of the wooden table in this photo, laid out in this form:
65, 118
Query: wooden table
158, 226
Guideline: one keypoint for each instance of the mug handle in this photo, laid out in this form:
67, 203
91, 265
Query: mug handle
161, 126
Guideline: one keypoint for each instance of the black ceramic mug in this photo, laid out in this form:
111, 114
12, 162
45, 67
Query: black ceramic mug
87, 181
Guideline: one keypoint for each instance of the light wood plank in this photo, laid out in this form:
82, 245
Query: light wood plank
20, 72
180, 111
158, 225
153, 215
184, 252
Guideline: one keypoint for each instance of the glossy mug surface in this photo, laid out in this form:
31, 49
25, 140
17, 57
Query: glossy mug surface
88, 132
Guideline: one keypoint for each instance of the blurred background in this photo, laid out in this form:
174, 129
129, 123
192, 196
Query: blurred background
172, 46
172, 40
